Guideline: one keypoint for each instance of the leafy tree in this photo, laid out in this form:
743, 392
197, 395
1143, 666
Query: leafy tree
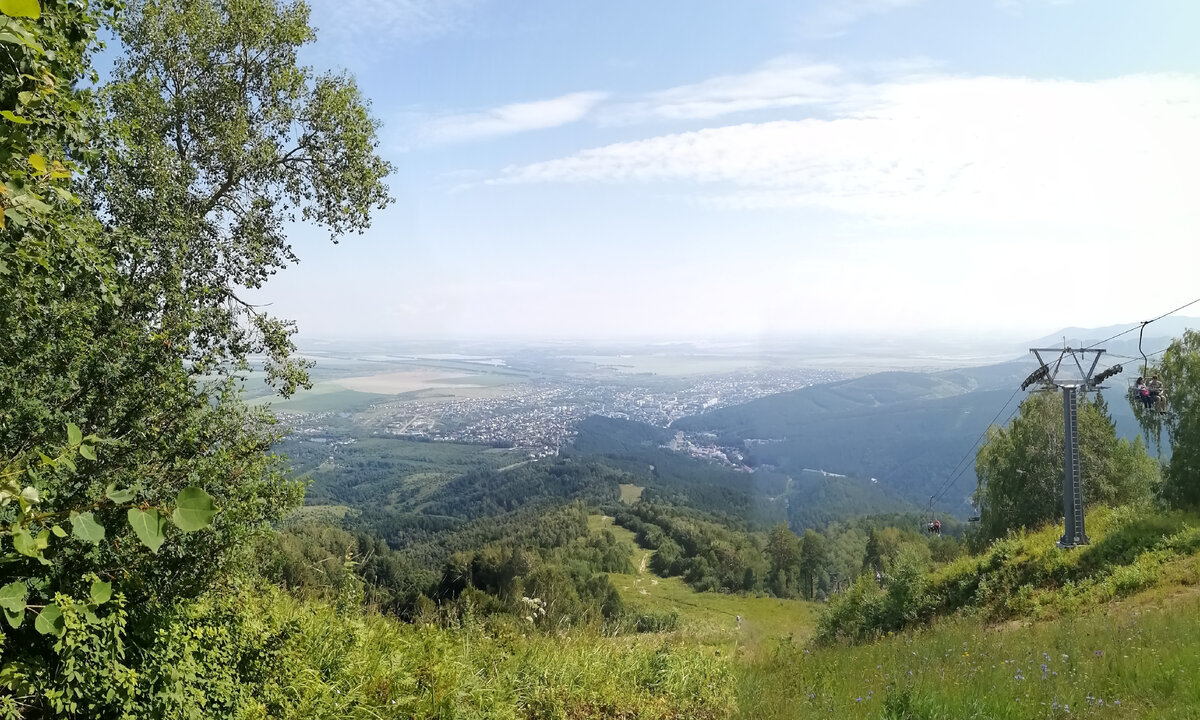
1179, 371
1020, 467
217, 140
882, 546
814, 555
120, 315
783, 550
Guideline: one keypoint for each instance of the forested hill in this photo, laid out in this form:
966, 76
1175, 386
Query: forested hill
906, 429
753, 500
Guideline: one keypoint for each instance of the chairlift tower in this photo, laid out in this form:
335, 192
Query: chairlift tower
1052, 377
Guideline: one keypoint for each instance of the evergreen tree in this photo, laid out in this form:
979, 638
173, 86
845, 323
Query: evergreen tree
813, 557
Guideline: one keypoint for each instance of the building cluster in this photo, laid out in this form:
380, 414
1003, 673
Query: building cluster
542, 416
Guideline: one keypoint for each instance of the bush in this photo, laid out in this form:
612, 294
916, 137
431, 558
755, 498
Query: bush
653, 622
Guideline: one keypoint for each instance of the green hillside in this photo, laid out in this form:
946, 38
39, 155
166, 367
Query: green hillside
908, 430
758, 500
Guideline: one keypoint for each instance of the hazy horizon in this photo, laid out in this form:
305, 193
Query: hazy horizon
702, 170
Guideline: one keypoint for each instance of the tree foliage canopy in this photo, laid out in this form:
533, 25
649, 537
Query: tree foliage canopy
217, 140
1179, 371
1020, 466
133, 476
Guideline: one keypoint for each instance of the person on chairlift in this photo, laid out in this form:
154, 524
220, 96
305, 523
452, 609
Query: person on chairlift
1157, 396
1143, 393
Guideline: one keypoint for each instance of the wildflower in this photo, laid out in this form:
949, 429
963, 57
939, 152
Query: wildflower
858, 699
1099, 653
1045, 669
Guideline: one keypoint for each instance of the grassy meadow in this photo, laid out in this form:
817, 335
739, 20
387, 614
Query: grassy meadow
1128, 661
709, 618
1107, 631
631, 493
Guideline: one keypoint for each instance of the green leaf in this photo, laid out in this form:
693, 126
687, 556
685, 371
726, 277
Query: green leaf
87, 452
58, 531
74, 434
150, 527
50, 621
101, 592
37, 161
25, 542
28, 498
120, 497
67, 462
194, 509
85, 527
12, 596
13, 117
14, 617
21, 8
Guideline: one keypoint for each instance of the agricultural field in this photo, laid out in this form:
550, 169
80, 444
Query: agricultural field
407, 381
322, 398
671, 364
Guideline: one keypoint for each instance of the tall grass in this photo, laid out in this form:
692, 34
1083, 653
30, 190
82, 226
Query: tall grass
1025, 575
1127, 663
353, 666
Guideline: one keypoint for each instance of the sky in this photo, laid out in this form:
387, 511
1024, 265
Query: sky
693, 169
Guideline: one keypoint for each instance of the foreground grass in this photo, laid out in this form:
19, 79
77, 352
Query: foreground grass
1130, 662
311, 660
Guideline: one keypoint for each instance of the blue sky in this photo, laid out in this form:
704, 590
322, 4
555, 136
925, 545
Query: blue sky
706, 169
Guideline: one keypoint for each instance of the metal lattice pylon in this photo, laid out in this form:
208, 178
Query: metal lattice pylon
1050, 377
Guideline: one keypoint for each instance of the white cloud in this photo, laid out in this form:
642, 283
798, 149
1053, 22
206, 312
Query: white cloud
1123, 150
355, 23
782, 83
786, 82
1017, 6
510, 119
832, 18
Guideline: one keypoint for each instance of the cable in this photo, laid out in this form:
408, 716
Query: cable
946, 486
960, 469
1143, 324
